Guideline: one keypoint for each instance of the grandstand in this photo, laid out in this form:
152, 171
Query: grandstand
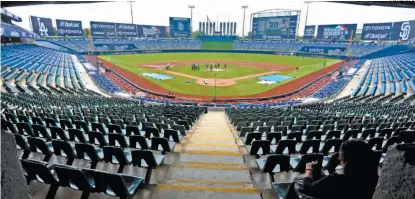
80, 125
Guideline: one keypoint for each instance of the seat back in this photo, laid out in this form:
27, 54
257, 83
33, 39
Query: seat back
50, 122
76, 133
260, 144
391, 141
180, 128
330, 143
42, 130
245, 130
368, 133
274, 160
99, 127
36, 143
97, 136
146, 155
112, 137
118, 153
141, 140
350, 134
66, 124
327, 127
173, 134
59, 146
119, 123
264, 129
281, 129
11, 127
24, 127
376, 142
57, 131
156, 142
407, 136
37, 120
282, 144
314, 135
68, 175
307, 144
132, 130
81, 125
342, 127
398, 131
297, 136
114, 128
35, 168
274, 136
386, 132
89, 150
311, 128
251, 136
151, 131
21, 142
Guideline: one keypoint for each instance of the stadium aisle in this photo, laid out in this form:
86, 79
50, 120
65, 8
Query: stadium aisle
210, 165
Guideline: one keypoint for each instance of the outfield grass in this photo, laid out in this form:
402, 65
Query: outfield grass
241, 88
136, 59
231, 71
216, 45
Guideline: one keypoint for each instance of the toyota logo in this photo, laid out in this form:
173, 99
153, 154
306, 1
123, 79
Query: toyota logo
94, 25
366, 28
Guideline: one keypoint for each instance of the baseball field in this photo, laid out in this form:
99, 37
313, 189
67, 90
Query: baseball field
242, 76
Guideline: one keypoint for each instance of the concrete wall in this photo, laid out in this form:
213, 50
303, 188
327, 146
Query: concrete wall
13, 183
397, 180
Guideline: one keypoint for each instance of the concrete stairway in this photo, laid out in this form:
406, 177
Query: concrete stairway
209, 165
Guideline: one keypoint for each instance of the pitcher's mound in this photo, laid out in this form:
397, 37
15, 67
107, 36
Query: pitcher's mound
219, 82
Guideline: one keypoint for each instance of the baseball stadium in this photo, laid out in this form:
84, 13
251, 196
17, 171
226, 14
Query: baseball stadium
262, 100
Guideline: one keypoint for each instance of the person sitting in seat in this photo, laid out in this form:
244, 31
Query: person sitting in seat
358, 181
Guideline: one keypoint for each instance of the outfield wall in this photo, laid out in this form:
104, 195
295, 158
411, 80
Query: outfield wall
218, 51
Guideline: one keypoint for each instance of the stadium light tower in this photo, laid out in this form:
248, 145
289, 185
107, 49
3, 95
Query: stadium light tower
243, 21
306, 14
131, 10
191, 7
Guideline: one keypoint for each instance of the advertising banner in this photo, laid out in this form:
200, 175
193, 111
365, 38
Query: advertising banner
403, 30
117, 47
126, 30
323, 50
179, 27
309, 32
103, 29
9, 30
150, 31
336, 31
69, 28
274, 28
42, 26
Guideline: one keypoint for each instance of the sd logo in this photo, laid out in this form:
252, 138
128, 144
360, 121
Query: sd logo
405, 30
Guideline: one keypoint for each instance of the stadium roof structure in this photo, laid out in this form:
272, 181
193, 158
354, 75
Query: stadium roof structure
30, 3
398, 4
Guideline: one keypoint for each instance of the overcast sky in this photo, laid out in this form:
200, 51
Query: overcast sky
157, 12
